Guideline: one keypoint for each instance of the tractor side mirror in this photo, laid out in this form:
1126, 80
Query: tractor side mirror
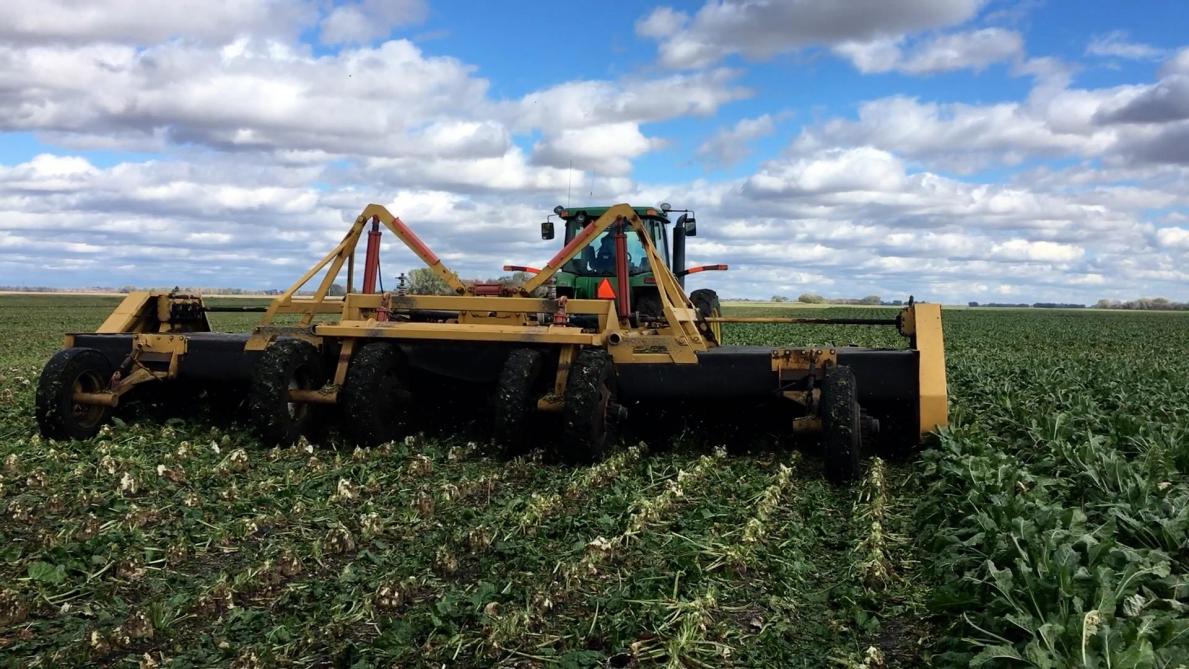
691, 227
547, 230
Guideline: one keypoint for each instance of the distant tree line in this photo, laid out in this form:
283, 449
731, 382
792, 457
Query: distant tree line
1034, 305
423, 281
814, 298
1143, 303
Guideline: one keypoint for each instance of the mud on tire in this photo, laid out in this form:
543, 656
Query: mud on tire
375, 396
842, 432
70, 370
590, 418
285, 364
513, 407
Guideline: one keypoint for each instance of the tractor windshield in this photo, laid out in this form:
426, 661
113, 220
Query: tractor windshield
598, 258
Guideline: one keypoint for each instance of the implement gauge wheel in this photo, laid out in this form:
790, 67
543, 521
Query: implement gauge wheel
706, 302
285, 365
71, 371
375, 397
841, 429
591, 416
514, 405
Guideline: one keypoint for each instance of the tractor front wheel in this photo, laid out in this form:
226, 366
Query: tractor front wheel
707, 304
842, 431
591, 415
514, 404
375, 397
290, 364
71, 371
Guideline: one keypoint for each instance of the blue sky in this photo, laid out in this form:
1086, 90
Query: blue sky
955, 149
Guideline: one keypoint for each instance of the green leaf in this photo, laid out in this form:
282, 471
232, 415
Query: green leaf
989, 654
44, 572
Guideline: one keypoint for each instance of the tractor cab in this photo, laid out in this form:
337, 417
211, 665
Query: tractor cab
592, 273
598, 259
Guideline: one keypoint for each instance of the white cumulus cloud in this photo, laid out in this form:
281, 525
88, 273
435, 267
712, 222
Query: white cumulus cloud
764, 28
967, 50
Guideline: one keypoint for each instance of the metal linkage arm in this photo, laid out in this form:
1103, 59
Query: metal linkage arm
411, 240
704, 268
332, 263
335, 259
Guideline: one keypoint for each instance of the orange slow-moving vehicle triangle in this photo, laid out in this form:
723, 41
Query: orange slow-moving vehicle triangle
606, 292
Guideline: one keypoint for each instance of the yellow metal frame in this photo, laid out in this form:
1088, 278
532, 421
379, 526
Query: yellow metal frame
922, 323
484, 318
142, 311
332, 263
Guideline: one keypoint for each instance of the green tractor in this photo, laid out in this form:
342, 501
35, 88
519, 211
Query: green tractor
591, 274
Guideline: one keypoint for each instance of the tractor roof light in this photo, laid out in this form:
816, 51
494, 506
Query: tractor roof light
665, 207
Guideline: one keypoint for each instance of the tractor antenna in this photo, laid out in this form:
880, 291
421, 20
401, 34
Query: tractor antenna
569, 182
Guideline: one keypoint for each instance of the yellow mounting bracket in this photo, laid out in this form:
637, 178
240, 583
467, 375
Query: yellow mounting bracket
922, 324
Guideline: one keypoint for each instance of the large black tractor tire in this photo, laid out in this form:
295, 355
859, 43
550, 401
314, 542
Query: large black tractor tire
591, 416
375, 396
514, 406
706, 301
841, 429
284, 365
69, 371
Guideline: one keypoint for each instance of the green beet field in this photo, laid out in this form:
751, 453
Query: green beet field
1046, 527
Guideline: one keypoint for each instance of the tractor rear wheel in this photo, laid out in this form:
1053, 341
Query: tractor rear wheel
71, 371
842, 432
515, 395
648, 303
290, 364
707, 304
591, 414
375, 395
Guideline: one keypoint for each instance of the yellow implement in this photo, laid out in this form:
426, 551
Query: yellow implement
584, 359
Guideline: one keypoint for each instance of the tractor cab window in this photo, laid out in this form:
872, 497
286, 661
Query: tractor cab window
598, 258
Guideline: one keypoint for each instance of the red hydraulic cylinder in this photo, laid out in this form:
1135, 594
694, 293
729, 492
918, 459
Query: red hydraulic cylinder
623, 296
371, 264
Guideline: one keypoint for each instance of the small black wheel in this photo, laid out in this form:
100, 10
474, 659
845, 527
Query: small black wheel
515, 397
899, 435
285, 365
71, 371
841, 429
706, 301
591, 416
375, 396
